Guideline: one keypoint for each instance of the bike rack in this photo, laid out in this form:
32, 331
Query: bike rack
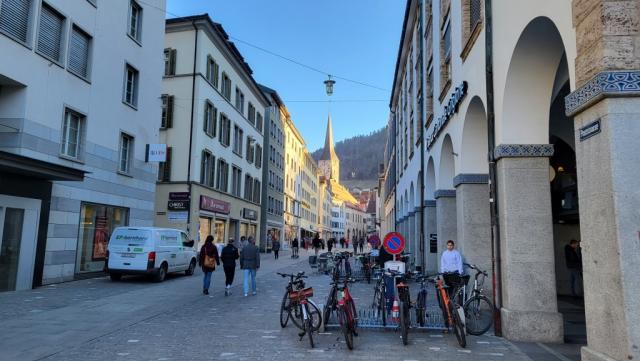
371, 319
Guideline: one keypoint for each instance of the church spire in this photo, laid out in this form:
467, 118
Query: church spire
329, 153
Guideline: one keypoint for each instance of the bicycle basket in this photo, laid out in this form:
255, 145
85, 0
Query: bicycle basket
298, 295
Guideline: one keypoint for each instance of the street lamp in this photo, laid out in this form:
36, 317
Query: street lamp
329, 85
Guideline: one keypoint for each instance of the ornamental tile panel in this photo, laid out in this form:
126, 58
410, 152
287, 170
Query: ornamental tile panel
604, 84
523, 150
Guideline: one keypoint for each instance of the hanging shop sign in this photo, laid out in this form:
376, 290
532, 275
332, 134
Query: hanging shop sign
590, 130
214, 205
249, 214
156, 153
179, 196
449, 110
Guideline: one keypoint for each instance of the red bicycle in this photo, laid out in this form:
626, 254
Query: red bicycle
346, 311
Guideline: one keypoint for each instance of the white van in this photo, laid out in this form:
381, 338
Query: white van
149, 251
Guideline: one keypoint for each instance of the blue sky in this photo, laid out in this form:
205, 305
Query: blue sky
354, 39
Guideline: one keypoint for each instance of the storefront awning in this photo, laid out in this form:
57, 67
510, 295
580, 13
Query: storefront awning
34, 168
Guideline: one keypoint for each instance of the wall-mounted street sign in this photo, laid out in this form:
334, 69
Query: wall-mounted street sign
249, 214
156, 153
177, 216
590, 130
179, 196
178, 205
449, 110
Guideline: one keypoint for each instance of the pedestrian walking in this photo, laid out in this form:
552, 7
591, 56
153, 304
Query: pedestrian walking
243, 242
208, 260
316, 243
294, 248
361, 244
250, 263
573, 259
229, 255
330, 243
341, 242
355, 245
275, 246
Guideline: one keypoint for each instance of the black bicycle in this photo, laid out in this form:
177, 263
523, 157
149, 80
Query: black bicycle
290, 308
341, 263
478, 309
421, 301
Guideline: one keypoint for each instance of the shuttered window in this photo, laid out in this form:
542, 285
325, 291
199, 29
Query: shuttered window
79, 52
14, 18
164, 171
50, 33
167, 111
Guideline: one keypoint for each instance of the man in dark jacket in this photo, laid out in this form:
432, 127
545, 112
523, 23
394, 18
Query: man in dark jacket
250, 263
573, 258
294, 248
316, 243
229, 256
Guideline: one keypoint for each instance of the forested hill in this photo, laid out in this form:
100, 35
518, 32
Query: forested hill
360, 157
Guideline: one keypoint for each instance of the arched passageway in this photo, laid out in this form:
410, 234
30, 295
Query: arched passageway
430, 219
445, 196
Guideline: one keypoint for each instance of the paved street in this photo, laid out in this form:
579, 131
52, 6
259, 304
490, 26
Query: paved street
136, 320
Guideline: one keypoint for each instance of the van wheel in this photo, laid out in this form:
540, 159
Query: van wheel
115, 276
162, 273
191, 269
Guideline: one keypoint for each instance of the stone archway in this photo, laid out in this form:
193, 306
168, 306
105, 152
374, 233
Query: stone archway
529, 306
445, 196
472, 190
430, 219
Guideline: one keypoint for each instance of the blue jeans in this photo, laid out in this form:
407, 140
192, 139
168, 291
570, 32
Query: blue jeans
248, 272
207, 280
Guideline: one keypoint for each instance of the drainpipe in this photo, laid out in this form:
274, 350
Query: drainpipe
421, 247
193, 104
493, 188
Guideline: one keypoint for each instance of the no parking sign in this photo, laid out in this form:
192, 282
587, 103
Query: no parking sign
394, 243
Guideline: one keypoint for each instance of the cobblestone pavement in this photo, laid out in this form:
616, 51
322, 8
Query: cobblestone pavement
136, 320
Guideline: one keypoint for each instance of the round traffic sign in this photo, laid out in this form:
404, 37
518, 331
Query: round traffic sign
394, 243
374, 240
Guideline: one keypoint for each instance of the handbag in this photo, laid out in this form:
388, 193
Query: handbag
209, 262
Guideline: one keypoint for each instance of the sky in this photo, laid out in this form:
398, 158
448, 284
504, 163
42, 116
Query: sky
353, 39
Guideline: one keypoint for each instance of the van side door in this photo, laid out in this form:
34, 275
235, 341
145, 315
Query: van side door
167, 246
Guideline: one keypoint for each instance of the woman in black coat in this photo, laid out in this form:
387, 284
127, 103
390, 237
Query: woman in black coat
229, 256
210, 250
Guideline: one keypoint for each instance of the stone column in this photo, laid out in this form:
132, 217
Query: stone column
474, 222
446, 216
411, 236
529, 304
430, 227
606, 111
419, 243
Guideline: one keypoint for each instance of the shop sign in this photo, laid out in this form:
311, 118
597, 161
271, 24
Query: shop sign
249, 214
590, 130
179, 196
449, 110
156, 153
177, 216
214, 205
178, 205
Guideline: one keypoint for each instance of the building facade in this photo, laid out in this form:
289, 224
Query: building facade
272, 225
212, 123
520, 149
356, 226
309, 201
294, 150
79, 102
324, 209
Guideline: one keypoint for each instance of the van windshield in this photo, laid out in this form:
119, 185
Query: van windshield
128, 236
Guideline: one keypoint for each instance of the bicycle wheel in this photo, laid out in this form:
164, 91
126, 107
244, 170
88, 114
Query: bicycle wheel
314, 315
354, 314
295, 313
382, 302
478, 313
326, 316
458, 327
344, 325
404, 322
284, 310
308, 328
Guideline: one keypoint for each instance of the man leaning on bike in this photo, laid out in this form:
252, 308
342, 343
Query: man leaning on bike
451, 268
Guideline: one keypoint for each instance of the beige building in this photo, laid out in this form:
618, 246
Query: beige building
519, 122
212, 123
294, 150
309, 200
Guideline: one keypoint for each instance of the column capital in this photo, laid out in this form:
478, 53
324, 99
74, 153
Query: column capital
605, 84
470, 178
444, 193
523, 150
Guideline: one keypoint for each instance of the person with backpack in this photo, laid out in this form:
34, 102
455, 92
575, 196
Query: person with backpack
250, 263
208, 260
229, 256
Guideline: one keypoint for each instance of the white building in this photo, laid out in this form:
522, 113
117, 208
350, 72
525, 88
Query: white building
213, 125
79, 102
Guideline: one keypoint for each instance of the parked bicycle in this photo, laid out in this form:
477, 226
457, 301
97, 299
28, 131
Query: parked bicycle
478, 308
341, 263
404, 304
292, 308
366, 266
421, 301
346, 310
451, 310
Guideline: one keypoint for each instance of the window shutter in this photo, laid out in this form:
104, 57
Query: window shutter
169, 123
166, 174
79, 52
172, 61
14, 18
50, 33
